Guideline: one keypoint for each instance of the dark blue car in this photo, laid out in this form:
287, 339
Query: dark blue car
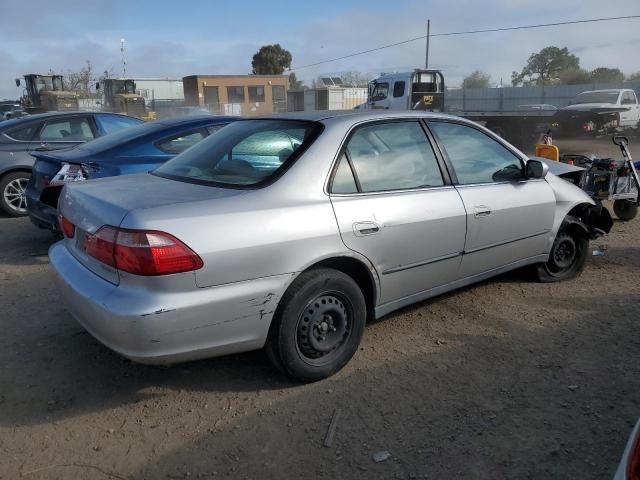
133, 150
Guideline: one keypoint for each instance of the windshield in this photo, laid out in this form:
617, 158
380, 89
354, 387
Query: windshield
248, 154
121, 136
596, 97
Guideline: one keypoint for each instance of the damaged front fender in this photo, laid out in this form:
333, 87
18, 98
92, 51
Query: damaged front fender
594, 220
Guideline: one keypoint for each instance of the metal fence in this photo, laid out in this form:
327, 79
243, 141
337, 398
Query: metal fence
510, 98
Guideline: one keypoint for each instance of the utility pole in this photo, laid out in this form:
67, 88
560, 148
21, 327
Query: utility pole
426, 60
124, 60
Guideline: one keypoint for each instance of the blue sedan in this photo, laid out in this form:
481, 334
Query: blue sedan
133, 150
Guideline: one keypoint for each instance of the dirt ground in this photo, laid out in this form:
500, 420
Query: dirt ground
506, 379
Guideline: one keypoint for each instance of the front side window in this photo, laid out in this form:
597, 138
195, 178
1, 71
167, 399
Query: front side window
111, 123
67, 130
476, 157
256, 94
179, 143
380, 91
250, 152
390, 156
628, 98
235, 94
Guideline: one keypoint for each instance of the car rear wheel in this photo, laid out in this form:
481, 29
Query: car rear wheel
568, 255
13, 193
625, 209
318, 325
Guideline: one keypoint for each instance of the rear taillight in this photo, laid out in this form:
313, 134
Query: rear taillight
633, 469
101, 245
68, 228
141, 252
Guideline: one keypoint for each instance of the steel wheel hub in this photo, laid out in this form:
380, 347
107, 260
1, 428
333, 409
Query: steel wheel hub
15, 194
323, 327
564, 252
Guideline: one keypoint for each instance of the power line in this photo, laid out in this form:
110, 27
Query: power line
468, 32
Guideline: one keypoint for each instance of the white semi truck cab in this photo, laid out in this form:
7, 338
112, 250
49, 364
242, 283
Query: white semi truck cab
416, 90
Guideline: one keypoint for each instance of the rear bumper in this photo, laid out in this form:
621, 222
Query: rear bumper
161, 327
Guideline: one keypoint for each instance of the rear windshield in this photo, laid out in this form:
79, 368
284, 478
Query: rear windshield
597, 97
246, 153
121, 136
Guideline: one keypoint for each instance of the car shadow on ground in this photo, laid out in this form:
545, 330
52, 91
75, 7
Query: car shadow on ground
476, 407
552, 402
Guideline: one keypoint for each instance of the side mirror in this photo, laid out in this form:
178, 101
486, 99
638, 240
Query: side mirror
536, 169
17, 82
97, 85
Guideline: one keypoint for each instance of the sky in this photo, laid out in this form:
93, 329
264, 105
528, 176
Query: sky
174, 39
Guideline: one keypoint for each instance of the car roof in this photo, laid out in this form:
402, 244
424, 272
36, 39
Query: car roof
188, 119
355, 115
606, 90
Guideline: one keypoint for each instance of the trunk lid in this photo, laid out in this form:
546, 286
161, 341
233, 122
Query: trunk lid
92, 204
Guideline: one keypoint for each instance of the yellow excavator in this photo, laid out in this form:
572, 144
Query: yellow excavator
119, 96
45, 93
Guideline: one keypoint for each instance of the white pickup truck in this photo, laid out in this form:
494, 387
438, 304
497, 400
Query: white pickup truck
614, 108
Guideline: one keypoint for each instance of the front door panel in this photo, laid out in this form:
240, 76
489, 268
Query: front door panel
506, 222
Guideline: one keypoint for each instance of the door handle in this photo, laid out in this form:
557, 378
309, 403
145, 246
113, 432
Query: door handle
365, 228
481, 211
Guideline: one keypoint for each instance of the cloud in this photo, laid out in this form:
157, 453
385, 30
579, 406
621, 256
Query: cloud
172, 41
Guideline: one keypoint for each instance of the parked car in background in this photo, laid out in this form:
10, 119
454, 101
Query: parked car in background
137, 149
19, 137
599, 111
629, 467
289, 232
9, 110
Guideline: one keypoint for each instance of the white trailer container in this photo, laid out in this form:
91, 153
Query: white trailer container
159, 88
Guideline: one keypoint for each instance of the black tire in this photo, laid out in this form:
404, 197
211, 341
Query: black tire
567, 257
12, 193
625, 209
318, 325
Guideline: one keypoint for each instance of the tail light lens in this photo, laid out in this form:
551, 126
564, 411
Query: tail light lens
68, 228
142, 252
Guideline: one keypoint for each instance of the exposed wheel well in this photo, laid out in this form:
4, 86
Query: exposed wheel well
358, 271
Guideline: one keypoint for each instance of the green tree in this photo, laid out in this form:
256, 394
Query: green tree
545, 66
634, 76
607, 75
294, 83
476, 79
574, 76
271, 60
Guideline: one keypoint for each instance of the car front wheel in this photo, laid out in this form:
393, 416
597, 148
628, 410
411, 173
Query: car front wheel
13, 193
318, 325
567, 257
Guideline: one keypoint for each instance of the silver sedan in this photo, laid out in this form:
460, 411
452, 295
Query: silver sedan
290, 232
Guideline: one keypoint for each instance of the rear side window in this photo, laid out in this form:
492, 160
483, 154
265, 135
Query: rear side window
68, 129
179, 143
392, 156
476, 157
110, 123
343, 181
250, 152
23, 133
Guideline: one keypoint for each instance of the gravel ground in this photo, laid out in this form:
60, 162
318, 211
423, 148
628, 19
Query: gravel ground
506, 379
